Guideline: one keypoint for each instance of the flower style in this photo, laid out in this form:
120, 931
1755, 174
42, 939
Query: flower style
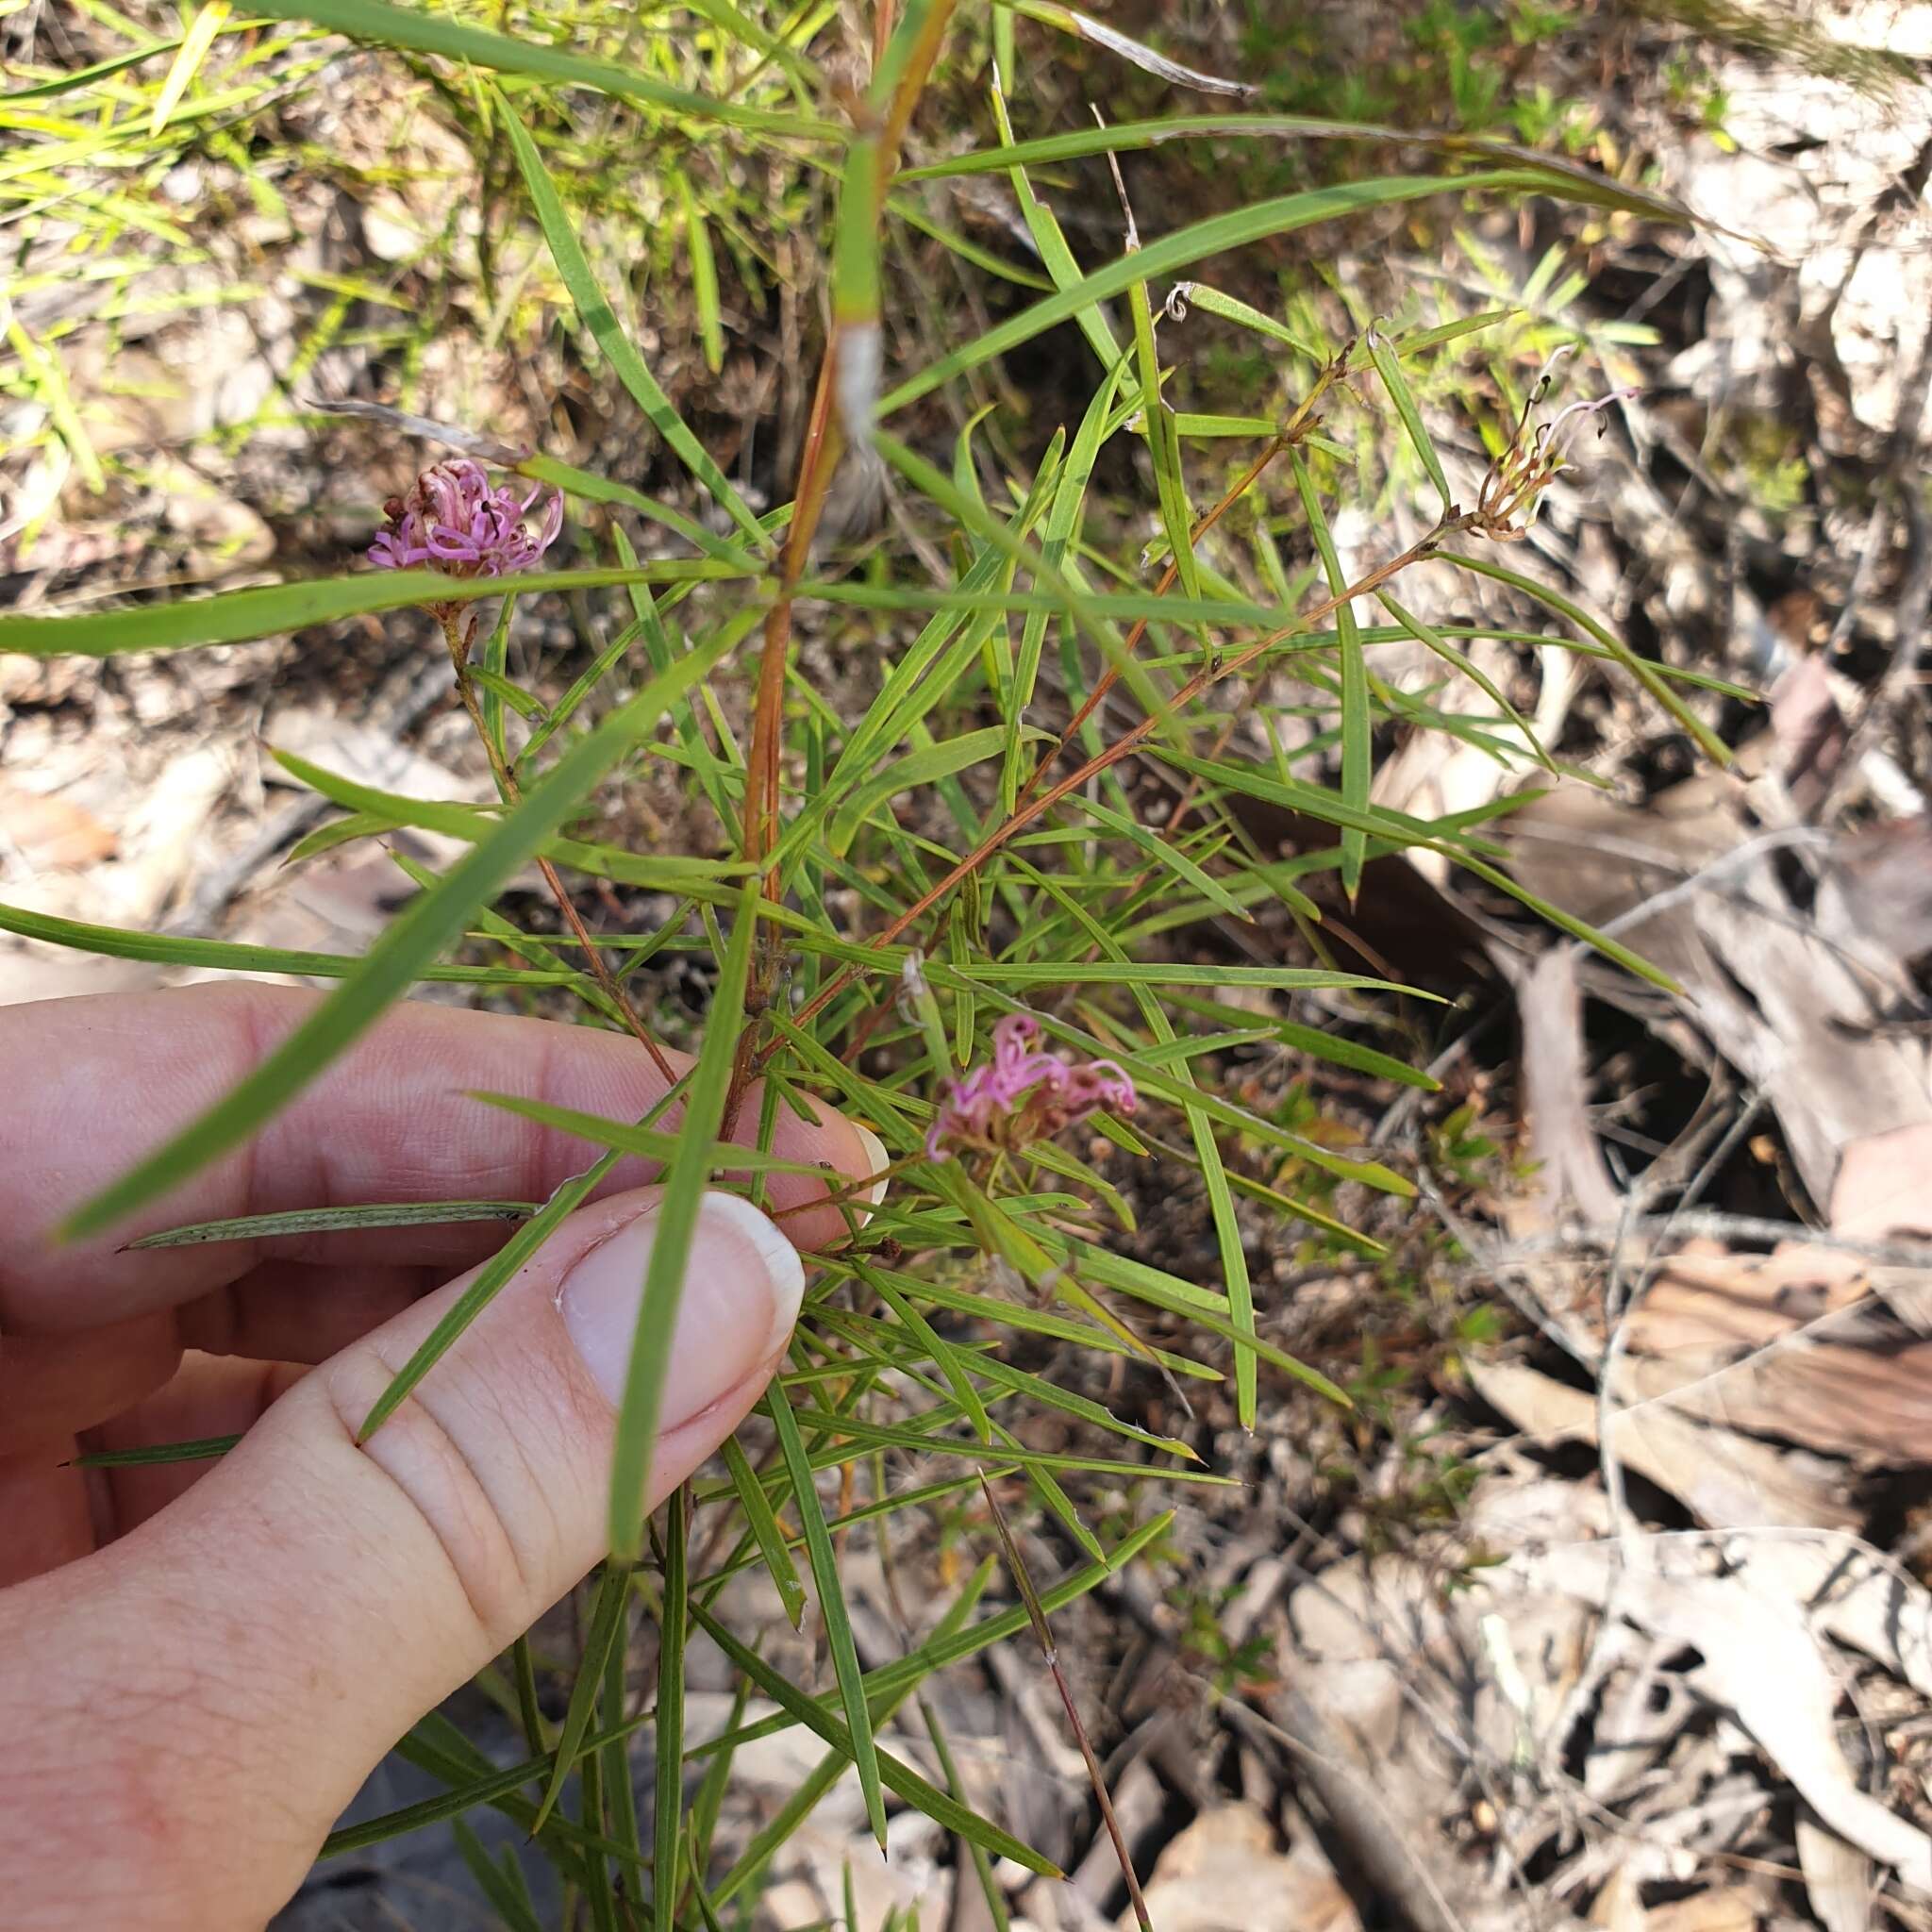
1022, 1094
454, 522
1514, 487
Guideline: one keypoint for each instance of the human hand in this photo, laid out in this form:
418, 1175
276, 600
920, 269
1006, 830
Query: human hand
200, 1662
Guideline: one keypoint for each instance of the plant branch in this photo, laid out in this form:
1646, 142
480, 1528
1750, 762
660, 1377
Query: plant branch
1291, 433
1131, 739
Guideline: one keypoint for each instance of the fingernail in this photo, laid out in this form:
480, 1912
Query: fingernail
742, 1284
875, 1154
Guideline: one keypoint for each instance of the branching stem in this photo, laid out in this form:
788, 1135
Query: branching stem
1452, 525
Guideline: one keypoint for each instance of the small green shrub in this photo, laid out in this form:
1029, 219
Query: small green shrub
915, 849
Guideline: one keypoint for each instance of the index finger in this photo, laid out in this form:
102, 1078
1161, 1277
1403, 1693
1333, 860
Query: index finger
88, 1086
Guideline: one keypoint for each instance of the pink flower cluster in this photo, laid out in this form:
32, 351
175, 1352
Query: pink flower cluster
454, 522
1022, 1094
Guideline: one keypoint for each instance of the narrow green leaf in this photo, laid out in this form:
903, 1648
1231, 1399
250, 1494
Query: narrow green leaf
763, 1523
1433, 639
1404, 833
86, 76
234, 617
914, 216
670, 873
824, 1570
784, 1825
938, 1650
595, 489
1062, 528
1163, 439
1568, 922
1382, 353
529, 1709
1198, 239
1191, 426
1528, 169
493, 1880
907, 774
581, 687
1160, 972
630, 1138
200, 36
595, 312
900, 1778
1649, 676
1234, 1262
339, 832
436, 1747
707, 1910
683, 1184
1399, 830
42, 368
1170, 857
1334, 1047
607, 1632
935, 484
1415, 341
514, 695
435, 33
701, 1823
1231, 308
930, 667
704, 275
1228, 1234
903, 1436
955, 1364
667, 1827
995, 1368
1040, 1322
202, 1449
995, 1899
430, 924
174, 949
249, 1227
1055, 256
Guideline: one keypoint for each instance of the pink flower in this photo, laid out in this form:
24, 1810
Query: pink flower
454, 522
1022, 1094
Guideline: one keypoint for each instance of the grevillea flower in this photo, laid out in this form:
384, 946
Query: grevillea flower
454, 522
1513, 489
1022, 1094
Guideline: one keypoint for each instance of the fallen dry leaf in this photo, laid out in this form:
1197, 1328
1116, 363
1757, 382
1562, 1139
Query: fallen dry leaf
51, 831
1725, 1478
1884, 1186
1726, 1908
1838, 1877
1224, 1873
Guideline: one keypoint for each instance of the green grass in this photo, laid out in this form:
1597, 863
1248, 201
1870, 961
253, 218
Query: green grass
910, 848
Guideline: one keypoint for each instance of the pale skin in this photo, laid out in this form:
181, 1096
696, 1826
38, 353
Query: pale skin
200, 1662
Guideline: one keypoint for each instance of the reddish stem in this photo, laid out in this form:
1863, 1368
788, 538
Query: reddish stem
1135, 736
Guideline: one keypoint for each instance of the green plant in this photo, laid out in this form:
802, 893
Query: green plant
908, 856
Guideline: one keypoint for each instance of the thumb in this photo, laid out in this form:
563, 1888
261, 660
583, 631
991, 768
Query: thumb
223, 1677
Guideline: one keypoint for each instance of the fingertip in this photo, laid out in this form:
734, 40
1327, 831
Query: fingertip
879, 1160
857, 1153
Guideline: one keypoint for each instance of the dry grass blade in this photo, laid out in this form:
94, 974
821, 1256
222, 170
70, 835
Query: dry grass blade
1042, 1630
